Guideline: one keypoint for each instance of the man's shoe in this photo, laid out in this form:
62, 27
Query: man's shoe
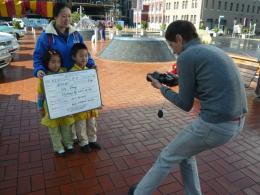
131, 190
94, 145
85, 149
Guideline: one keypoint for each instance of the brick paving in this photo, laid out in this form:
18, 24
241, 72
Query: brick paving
129, 131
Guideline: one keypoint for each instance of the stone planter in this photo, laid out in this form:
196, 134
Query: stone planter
143, 32
118, 32
162, 33
111, 34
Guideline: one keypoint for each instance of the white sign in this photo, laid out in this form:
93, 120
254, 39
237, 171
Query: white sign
71, 92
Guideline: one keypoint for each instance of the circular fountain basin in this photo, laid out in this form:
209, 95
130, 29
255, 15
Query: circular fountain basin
86, 34
137, 49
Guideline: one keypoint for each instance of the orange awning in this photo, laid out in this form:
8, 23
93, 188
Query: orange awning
18, 8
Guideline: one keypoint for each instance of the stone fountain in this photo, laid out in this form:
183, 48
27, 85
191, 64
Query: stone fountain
137, 49
86, 27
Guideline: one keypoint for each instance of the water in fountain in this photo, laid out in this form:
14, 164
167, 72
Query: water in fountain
86, 23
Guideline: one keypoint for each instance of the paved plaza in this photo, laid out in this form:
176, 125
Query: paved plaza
129, 131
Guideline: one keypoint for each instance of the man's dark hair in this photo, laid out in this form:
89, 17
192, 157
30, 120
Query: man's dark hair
46, 57
182, 27
58, 7
76, 47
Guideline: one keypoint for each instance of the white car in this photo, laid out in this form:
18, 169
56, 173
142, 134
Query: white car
5, 57
9, 42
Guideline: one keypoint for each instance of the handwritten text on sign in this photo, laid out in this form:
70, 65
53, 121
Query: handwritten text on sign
71, 92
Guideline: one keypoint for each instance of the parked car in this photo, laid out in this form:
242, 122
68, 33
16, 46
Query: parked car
4, 23
6, 27
10, 42
5, 57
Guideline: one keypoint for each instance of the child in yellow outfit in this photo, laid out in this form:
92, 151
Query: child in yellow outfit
85, 122
59, 129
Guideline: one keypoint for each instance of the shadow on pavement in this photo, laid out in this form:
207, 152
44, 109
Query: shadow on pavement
15, 73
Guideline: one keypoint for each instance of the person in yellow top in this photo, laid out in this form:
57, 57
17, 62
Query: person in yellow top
85, 122
60, 128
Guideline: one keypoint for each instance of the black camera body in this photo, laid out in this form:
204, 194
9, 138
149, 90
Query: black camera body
164, 78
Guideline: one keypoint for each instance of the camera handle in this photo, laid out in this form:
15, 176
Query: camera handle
160, 111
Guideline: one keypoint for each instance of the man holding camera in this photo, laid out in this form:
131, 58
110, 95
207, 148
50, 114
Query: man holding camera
207, 73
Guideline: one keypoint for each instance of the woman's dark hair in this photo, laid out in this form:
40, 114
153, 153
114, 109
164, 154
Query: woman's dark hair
58, 7
47, 57
76, 47
182, 27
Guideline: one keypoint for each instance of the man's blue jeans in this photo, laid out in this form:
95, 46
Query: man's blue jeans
193, 139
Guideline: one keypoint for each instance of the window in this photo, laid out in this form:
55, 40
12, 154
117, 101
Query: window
194, 4
237, 7
169, 5
258, 9
194, 19
248, 8
243, 7
213, 2
206, 3
225, 6
231, 7
219, 5
253, 9
177, 5
184, 4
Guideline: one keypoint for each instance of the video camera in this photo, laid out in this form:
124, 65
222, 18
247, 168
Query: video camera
164, 78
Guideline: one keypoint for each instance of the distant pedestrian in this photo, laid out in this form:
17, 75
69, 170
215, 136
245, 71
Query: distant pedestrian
209, 74
102, 30
59, 129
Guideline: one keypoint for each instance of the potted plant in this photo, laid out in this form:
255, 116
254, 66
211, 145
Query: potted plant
144, 26
162, 29
245, 31
119, 28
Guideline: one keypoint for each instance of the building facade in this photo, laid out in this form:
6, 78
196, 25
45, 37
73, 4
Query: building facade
210, 13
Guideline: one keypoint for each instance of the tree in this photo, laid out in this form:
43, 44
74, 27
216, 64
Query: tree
75, 17
144, 25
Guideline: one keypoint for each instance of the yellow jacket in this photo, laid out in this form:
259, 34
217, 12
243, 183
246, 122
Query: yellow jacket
87, 114
52, 123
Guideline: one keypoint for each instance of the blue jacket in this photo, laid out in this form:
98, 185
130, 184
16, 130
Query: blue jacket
49, 39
